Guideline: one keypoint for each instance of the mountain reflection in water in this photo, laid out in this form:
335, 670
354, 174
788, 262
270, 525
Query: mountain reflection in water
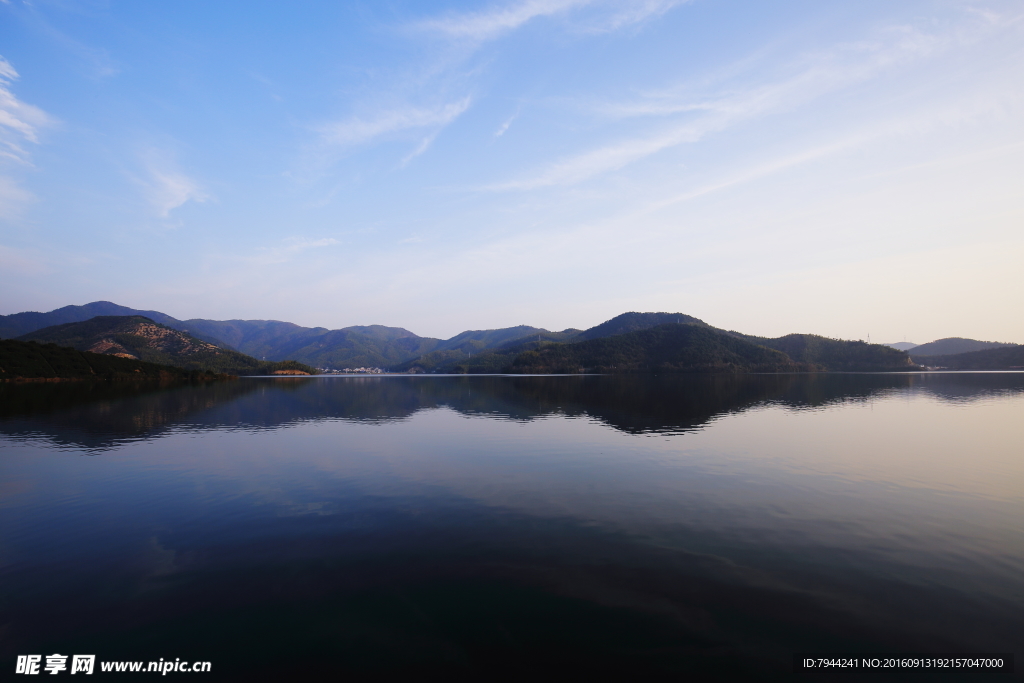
489, 526
102, 415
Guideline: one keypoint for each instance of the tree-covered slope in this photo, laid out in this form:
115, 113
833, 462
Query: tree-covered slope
474, 355
484, 351
31, 360
349, 348
138, 337
476, 340
356, 346
632, 322
622, 353
271, 339
1001, 358
837, 355
953, 345
671, 347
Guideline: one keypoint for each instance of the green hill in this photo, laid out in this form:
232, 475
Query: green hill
17, 324
31, 360
498, 358
633, 322
475, 351
476, 340
1009, 357
139, 338
474, 356
837, 355
365, 346
686, 347
953, 345
274, 340
355, 346
624, 353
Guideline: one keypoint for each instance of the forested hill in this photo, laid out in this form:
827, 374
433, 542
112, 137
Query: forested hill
953, 345
671, 347
34, 361
490, 350
475, 357
633, 322
476, 354
17, 324
139, 338
635, 351
1009, 357
837, 355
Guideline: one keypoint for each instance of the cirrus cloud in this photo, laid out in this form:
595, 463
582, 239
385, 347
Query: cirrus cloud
19, 122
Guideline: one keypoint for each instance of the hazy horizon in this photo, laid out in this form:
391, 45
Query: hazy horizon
847, 170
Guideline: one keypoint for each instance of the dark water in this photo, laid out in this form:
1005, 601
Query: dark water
517, 527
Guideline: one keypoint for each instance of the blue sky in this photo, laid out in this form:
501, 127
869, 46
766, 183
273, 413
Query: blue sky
845, 168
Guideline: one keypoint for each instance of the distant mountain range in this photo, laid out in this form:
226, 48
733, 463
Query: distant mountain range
498, 350
272, 340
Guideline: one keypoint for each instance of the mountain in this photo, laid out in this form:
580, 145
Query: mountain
31, 360
499, 358
476, 340
697, 347
369, 346
954, 345
902, 346
837, 355
809, 352
493, 350
259, 338
632, 322
1003, 357
474, 355
17, 324
139, 338
355, 346
274, 340
672, 347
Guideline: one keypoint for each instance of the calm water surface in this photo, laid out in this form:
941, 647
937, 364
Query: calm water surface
513, 526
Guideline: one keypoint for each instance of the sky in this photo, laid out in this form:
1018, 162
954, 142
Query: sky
842, 168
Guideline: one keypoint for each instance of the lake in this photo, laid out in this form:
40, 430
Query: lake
522, 527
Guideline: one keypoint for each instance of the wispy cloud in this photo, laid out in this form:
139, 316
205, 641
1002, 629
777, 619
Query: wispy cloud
764, 169
630, 13
491, 23
504, 126
359, 130
165, 186
499, 20
819, 75
420, 148
19, 122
